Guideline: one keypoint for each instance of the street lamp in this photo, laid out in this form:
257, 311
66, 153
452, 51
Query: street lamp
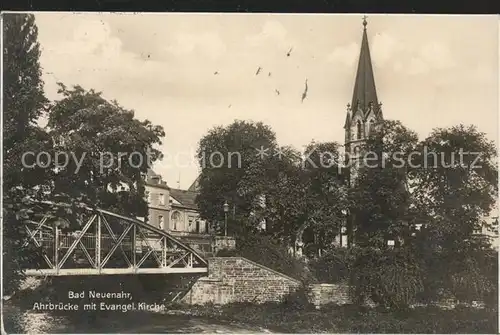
226, 209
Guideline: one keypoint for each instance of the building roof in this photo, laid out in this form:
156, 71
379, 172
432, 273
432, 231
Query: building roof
365, 92
155, 180
151, 173
195, 185
185, 197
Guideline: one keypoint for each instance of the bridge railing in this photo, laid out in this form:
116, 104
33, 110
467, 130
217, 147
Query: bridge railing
89, 241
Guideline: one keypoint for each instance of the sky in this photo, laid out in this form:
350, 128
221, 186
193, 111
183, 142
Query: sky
191, 72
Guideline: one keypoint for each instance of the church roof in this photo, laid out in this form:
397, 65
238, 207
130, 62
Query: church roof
364, 86
186, 198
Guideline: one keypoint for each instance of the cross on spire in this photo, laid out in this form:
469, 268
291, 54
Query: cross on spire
364, 21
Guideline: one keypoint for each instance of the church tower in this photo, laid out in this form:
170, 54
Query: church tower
364, 111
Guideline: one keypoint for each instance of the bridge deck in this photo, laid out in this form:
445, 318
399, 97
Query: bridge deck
108, 271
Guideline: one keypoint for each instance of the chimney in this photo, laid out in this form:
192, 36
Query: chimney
155, 179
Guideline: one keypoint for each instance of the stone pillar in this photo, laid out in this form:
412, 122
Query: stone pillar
223, 242
323, 294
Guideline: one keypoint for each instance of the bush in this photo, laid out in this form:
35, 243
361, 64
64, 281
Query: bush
468, 274
474, 275
297, 300
333, 267
391, 278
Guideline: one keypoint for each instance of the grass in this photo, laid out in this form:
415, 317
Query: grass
353, 319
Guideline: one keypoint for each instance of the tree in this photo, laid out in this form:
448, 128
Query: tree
106, 148
455, 179
446, 184
24, 102
325, 196
455, 182
226, 156
380, 198
82, 126
281, 186
288, 191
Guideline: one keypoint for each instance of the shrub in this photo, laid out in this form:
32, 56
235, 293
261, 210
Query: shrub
332, 267
297, 300
474, 275
391, 278
467, 274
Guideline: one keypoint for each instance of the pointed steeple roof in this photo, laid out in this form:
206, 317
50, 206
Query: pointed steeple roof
364, 86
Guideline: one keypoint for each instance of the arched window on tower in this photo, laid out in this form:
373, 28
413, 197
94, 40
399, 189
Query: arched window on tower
371, 127
356, 151
359, 130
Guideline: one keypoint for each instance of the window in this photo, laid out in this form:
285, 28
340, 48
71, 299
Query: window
161, 222
176, 220
343, 237
359, 130
371, 127
343, 241
162, 199
356, 151
198, 226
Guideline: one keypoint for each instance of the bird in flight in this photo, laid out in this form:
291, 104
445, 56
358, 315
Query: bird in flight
289, 52
258, 70
216, 72
277, 92
304, 95
229, 106
269, 75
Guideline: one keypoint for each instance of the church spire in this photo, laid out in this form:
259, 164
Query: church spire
365, 92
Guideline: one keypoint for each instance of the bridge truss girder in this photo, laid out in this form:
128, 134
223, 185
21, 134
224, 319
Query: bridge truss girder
118, 245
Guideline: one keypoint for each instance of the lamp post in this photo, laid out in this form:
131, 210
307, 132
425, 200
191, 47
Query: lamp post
226, 209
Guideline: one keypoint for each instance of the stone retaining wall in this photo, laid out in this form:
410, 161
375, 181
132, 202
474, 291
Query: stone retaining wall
323, 294
237, 279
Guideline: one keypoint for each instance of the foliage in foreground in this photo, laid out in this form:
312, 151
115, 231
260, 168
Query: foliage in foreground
391, 278
82, 125
24, 103
287, 318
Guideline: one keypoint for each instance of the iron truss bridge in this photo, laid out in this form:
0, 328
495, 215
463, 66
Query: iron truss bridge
109, 244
